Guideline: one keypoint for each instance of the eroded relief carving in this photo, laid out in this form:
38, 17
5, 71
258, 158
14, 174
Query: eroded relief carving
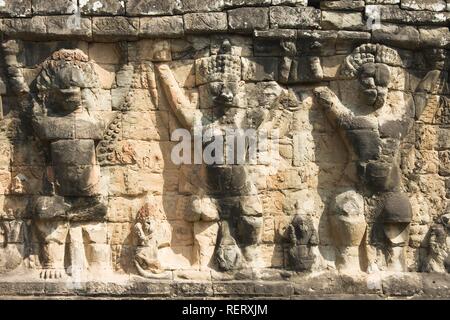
373, 131
302, 237
236, 216
438, 258
232, 193
62, 121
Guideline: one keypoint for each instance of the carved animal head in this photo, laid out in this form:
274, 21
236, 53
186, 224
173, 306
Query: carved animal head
303, 229
438, 237
370, 64
222, 75
62, 78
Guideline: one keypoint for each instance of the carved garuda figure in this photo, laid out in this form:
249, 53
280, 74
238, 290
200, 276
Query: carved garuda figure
373, 131
438, 258
66, 128
233, 198
302, 237
146, 256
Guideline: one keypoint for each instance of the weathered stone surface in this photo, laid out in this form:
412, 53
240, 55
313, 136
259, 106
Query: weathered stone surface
102, 7
55, 7
114, 28
205, 22
342, 5
201, 5
348, 201
61, 26
149, 7
432, 5
395, 15
17, 8
159, 27
248, 19
391, 34
339, 20
294, 17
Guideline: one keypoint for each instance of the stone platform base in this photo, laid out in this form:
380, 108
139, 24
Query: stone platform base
242, 285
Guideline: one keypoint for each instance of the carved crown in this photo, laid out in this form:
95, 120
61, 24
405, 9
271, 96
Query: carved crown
369, 53
54, 70
220, 67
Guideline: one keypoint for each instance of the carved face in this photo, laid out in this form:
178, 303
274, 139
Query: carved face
149, 226
437, 238
65, 96
62, 79
225, 94
374, 79
303, 230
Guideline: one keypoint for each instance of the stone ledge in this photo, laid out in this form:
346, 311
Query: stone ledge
326, 285
106, 20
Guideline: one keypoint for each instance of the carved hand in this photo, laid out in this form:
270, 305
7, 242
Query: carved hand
335, 110
326, 97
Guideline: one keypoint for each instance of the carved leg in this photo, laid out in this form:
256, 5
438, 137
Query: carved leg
228, 254
348, 259
53, 235
250, 229
98, 251
396, 260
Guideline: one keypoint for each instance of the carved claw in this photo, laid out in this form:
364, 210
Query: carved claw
51, 273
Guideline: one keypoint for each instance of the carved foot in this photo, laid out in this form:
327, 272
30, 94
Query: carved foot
52, 273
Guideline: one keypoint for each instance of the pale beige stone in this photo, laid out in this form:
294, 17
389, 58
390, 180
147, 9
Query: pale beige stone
105, 53
176, 258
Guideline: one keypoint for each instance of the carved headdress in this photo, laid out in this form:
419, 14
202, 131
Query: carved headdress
223, 66
369, 53
66, 68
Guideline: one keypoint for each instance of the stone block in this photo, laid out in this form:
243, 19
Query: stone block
29, 29
146, 126
102, 7
114, 28
44, 7
342, 5
15, 8
198, 289
161, 27
201, 5
294, 17
251, 3
152, 50
392, 13
340, 20
248, 19
61, 26
431, 5
395, 35
205, 22
402, 284
105, 53
149, 7
260, 69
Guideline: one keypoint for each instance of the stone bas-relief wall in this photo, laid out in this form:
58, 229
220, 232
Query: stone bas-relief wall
353, 202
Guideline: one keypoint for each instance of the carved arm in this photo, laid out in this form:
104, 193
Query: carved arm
177, 100
16, 79
140, 233
336, 112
